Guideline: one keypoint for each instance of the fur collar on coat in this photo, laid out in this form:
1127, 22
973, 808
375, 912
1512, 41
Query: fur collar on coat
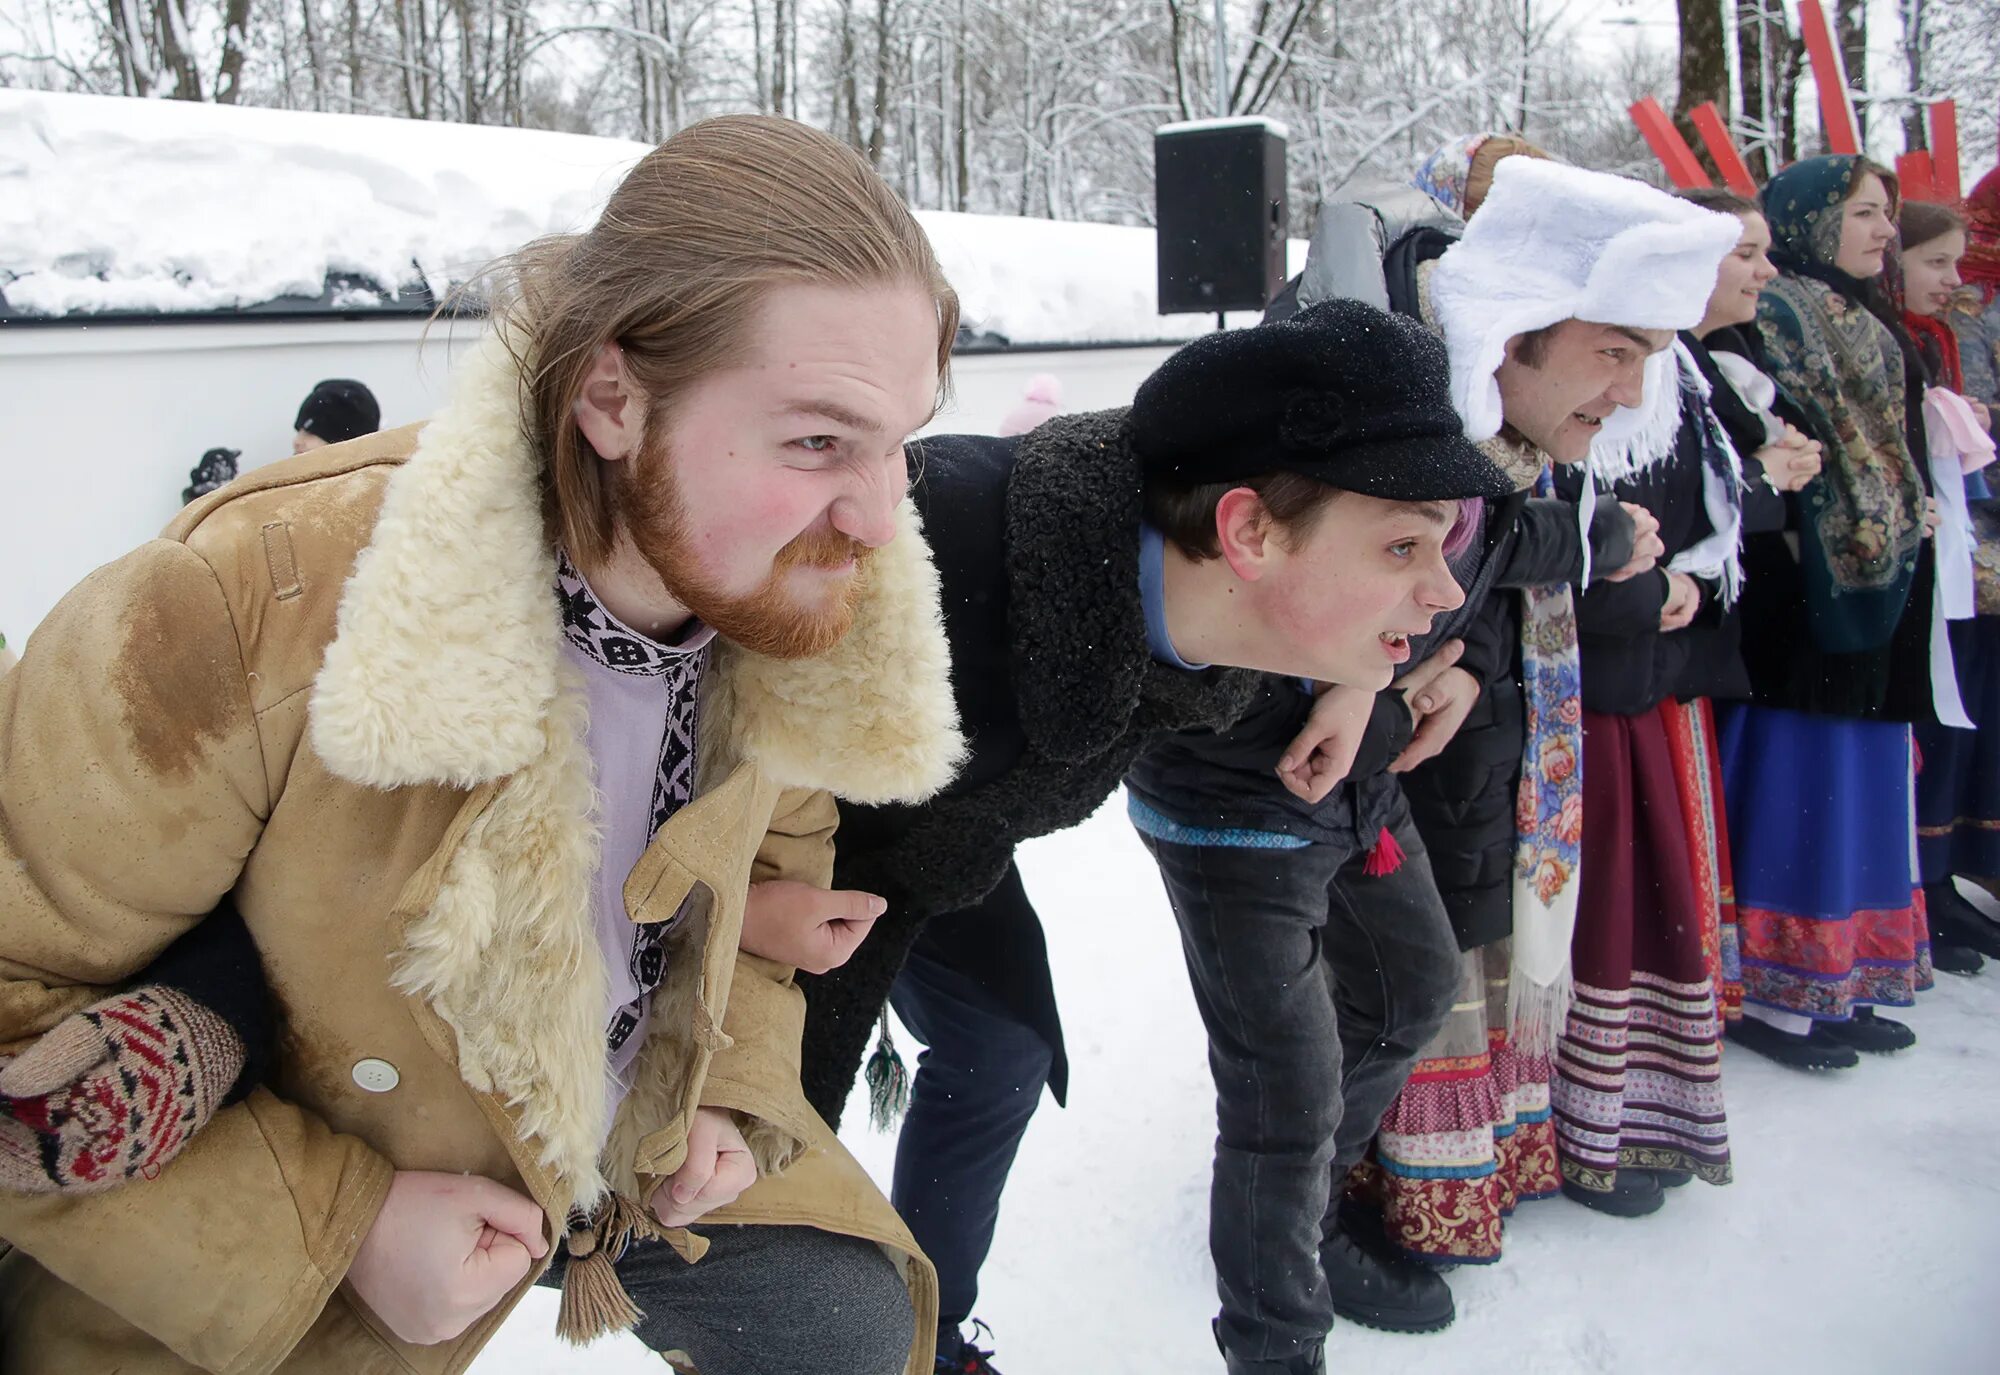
446, 670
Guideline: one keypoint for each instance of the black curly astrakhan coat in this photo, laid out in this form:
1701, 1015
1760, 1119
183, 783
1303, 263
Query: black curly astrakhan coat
1036, 541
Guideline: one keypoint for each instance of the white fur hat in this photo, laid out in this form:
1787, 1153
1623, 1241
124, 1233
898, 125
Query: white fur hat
1551, 243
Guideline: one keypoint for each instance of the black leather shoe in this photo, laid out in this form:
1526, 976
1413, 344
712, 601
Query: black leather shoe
1390, 1295
1867, 1032
1947, 958
1797, 1052
1635, 1194
1957, 924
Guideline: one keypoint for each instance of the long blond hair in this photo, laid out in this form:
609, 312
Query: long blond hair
688, 245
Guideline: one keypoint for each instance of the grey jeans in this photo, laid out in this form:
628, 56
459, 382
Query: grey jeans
771, 1301
1319, 986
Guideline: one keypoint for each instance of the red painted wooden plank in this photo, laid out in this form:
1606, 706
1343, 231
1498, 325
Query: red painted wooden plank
1836, 112
1683, 167
1914, 171
1715, 137
1944, 151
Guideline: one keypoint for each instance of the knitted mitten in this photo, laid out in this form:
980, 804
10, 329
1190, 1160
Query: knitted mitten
115, 1091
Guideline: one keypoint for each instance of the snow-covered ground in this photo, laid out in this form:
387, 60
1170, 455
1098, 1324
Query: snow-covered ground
1862, 1233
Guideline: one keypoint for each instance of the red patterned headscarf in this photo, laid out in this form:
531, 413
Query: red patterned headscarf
1981, 265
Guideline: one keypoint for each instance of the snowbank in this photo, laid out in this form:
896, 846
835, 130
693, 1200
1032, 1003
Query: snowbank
130, 205
109, 204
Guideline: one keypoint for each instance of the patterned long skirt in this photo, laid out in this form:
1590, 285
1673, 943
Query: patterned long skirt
1638, 1073
1698, 770
1469, 1137
1829, 913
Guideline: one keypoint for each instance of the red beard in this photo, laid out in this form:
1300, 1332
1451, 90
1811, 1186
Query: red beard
771, 619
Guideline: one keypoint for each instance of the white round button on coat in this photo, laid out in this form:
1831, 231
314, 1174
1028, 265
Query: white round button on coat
377, 1076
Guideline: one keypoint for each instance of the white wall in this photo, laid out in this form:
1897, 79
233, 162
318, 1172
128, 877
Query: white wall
99, 425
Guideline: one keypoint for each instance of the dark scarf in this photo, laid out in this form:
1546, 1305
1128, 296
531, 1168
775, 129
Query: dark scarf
1836, 348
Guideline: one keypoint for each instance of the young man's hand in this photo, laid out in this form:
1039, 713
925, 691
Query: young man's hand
1683, 600
444, 1249
1322, 753
718, 1168
1439, 706
806, 927
1647, 546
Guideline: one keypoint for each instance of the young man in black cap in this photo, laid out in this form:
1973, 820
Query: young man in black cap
335, 411
1276, 499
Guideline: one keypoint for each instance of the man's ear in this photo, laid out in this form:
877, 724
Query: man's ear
609, 409
1246, 533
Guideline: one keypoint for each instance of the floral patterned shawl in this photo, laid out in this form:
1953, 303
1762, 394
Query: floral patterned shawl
1548, 814
1863, 517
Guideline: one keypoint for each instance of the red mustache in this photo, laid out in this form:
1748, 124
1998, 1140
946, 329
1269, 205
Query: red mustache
827, 548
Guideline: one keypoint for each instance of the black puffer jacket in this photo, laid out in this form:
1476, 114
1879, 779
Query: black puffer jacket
1036, 541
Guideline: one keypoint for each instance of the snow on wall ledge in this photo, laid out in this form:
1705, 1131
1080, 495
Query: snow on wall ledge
110, 204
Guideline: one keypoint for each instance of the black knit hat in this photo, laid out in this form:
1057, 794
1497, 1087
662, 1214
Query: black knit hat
1341, 392
339, 409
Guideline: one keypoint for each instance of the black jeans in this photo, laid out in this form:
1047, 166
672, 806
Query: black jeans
1319, 986
770, 1301
977, 1085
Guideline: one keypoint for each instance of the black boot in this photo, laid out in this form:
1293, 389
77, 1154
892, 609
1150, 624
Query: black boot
1365, 1223
1962, 939
1670, 1179
1308, 1362
1867, 1032
1635, 1194
1948, 958
1383, 1292
1795, 1052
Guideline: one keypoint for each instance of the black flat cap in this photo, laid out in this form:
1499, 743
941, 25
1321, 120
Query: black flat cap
1341, 392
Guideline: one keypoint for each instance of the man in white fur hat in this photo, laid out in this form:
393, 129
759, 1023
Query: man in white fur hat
1561, 287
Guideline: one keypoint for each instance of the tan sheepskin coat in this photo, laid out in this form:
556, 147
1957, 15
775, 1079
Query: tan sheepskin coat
334, 689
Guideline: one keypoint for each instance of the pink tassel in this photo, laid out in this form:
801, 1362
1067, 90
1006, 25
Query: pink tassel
1386, 858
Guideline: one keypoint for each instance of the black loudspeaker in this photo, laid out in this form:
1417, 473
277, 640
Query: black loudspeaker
1220, 205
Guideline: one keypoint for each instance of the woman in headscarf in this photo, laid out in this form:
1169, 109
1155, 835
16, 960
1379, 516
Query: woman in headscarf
1817, 771
1637, 1090
1958, 785
1975, 311
1778, 458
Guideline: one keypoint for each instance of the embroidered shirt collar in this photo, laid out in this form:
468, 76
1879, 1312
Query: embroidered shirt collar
589, 625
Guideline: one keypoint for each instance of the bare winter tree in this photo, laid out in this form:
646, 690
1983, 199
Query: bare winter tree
1037, 107
1704, 66
1773, 59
